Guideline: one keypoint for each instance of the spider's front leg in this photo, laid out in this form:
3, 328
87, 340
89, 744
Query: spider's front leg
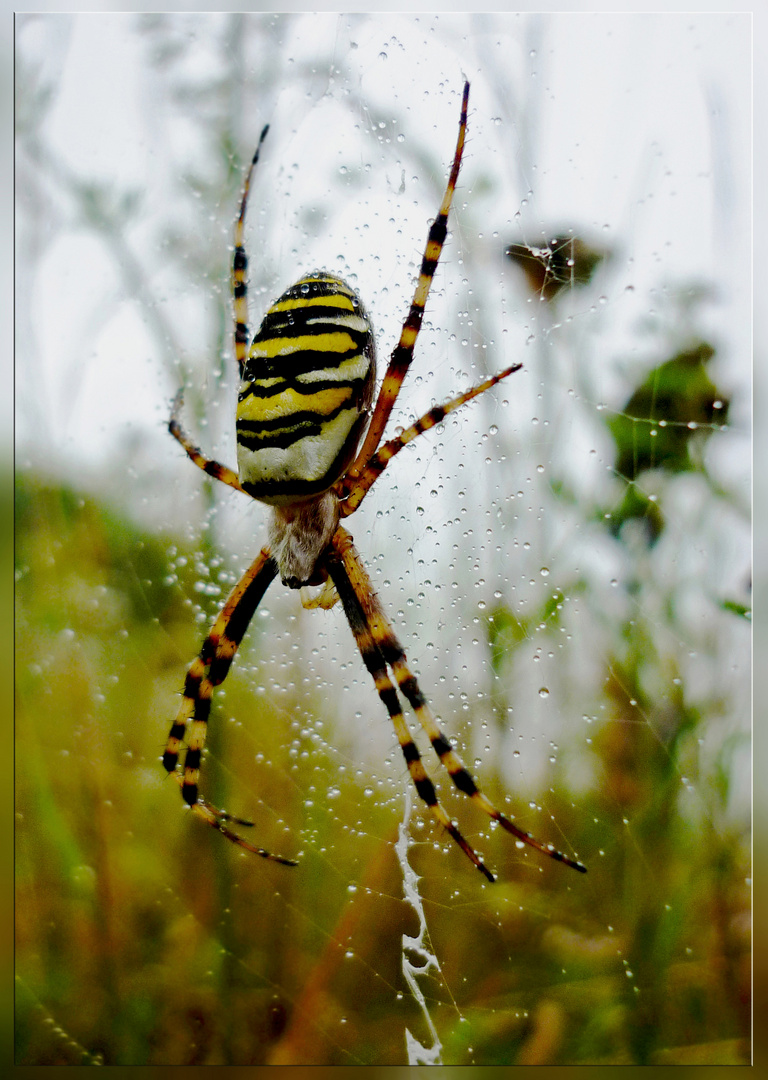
207, 671
381, 649
356, 601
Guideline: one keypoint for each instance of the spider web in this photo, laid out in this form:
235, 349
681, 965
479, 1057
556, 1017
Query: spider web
418, 959
570, 587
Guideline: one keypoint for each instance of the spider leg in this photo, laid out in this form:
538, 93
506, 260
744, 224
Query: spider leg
240, 267
461, 777
207, 671
387, 450
355, 604
215, 818
213, 468
240, 296
402, 354
210, 667
393, 655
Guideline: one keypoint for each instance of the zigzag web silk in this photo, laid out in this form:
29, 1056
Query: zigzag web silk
416, 947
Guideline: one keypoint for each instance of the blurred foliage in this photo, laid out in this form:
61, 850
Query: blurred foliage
665, 424
681, 879
157, 943
565, 262
677, 405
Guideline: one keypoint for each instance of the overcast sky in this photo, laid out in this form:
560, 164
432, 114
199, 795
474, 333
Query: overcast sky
640, 135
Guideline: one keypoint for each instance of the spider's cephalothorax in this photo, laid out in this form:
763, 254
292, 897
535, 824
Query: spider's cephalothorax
306, 390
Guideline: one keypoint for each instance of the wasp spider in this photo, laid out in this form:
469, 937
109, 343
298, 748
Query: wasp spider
305, 398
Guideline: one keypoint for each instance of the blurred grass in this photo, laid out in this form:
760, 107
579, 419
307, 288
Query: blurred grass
144, 939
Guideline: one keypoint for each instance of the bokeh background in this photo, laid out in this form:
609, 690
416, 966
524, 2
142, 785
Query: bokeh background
567, 561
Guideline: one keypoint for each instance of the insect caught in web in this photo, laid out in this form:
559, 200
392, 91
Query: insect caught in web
310, 445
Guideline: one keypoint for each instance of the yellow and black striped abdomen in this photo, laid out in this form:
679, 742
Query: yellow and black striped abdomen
306, 390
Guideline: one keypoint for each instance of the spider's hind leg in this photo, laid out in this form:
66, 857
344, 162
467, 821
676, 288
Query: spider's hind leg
402, 354
240, 268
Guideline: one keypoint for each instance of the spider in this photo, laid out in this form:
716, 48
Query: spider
305, 400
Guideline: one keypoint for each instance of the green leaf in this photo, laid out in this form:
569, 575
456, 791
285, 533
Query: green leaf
673, 409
